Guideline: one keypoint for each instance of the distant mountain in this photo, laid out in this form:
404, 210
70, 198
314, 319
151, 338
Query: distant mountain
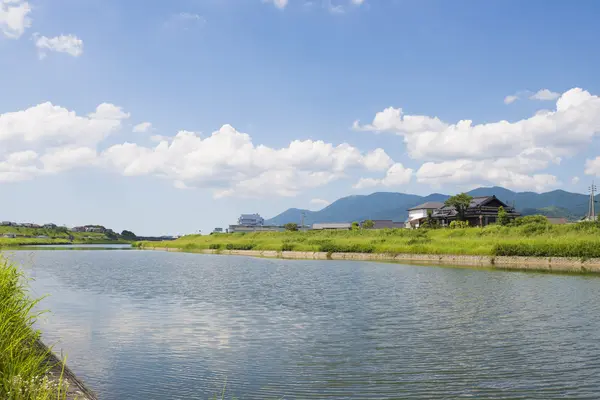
394, 206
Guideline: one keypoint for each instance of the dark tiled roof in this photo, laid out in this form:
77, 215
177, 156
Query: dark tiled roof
430, 205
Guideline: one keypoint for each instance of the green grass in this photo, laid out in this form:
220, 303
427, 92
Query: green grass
528, 236
28, 236
24, 369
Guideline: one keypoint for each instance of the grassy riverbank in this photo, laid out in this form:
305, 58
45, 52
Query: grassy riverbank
41, 236
24, 366
528, 237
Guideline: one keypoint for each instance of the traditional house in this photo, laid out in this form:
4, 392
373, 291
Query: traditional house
482, 211
418, 214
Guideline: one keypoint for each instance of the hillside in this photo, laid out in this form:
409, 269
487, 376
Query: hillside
394, 206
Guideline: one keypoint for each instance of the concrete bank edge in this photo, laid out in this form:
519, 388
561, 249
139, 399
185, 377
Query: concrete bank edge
552, 264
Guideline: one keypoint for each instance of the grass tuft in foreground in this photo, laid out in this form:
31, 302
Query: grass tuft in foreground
24, 369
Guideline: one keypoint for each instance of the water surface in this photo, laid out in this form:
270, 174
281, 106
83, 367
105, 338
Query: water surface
158, 325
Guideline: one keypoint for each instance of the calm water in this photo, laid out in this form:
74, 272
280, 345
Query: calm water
155, 325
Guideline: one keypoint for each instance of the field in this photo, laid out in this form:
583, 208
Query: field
24, 370
29, 236
528, 236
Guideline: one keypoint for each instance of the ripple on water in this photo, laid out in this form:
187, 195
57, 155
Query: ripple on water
151, 325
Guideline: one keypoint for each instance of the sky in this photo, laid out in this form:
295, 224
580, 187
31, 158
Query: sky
174, 117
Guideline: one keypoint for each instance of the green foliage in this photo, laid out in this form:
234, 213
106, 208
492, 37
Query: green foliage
355, 226
214, 246
530, 219
239, 246
577, 249
287, 247
460, 202
368, 224
24, 366
459, 224
430, 222
128, 235
347, 248
503, 218
291, 227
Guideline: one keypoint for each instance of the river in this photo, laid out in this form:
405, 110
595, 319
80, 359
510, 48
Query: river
157, 325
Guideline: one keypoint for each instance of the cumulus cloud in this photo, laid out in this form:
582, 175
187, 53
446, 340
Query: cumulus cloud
575, 180
510, 99
14, 18
396, 175
319, 202
544, 95
142, 127
46, 139
231, 164
592, 167
69, 44
281, 4
473, 147
357, 2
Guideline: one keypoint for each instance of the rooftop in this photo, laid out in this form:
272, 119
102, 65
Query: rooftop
430, 205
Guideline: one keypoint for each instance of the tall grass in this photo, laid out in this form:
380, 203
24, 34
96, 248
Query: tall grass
529, 236
24, 366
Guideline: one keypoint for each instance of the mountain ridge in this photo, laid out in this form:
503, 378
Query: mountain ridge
394, 206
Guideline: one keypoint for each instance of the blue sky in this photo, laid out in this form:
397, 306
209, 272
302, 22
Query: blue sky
305, 72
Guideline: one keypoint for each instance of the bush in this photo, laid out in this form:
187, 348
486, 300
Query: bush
287, 247
239, 246
214, 246
581, 249
290, 226
347, 248
530, 219
459, 224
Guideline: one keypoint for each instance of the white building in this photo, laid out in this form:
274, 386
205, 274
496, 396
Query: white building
251, 220
418, 214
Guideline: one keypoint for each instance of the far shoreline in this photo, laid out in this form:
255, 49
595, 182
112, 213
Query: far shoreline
514, 263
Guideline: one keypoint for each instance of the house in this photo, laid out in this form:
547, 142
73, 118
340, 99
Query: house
78, 229
7, 223
50, 226
251, 220
334, 226
482, 210
218, 230
418, 214
9, 235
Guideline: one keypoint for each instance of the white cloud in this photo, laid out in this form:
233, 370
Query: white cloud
544, 95
185, 21
47, 139
281, 4
396, 175
230, 164
575, 180
473, 148
14, 17
592, 167
319, 202
510, 99
69, 44
143, 127
357, 2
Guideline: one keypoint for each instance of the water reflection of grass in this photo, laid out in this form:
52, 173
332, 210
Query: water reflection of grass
24, 369
535, 238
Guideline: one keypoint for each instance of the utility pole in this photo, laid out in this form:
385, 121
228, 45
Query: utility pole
592, 210
302, 220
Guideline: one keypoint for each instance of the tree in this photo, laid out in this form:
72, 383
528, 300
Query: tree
128, 235
290, 226
460, 202
503, 218
368, 224
430, 222
355, 226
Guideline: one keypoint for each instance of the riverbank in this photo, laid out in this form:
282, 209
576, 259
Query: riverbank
530, 237
548, 264
28, 369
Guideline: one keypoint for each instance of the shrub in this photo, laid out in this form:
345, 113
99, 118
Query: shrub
347, 248
287, 247
530, 219
459, 224
214, 246
239, 246
581, 249
290, 226
368, 224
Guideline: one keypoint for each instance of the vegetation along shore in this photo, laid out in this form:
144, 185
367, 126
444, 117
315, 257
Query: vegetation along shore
28, 369
530, 236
